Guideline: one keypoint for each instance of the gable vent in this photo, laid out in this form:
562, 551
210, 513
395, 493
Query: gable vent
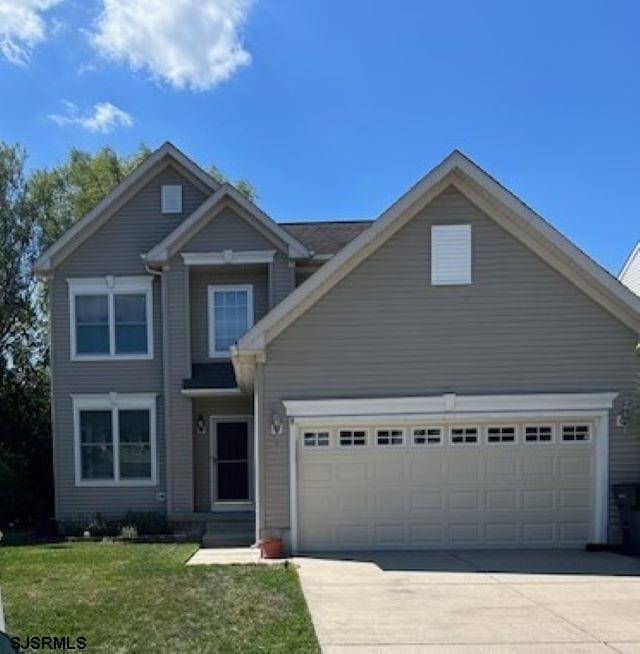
171, 198
450, 254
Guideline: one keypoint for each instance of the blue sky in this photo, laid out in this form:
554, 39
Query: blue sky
333, 109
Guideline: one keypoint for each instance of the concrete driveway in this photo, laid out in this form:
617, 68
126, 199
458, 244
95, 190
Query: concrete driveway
538, 602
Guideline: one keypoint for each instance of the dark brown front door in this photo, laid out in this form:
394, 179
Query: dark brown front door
232, 461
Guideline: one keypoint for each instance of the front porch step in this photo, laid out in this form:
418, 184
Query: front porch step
229, 538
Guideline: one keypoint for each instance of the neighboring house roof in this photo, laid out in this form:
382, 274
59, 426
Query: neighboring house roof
216, 374
162, 252
326, 236
87, 225
630, 273
491, 197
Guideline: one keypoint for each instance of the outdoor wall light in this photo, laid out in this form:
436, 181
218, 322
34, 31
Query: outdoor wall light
276, 424
201, 426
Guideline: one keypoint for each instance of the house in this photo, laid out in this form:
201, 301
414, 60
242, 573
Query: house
630, 273
455, 373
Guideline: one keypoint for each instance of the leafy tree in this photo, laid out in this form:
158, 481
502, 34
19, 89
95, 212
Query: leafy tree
243, 185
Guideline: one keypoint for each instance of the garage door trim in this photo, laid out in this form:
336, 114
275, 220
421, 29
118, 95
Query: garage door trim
449, 408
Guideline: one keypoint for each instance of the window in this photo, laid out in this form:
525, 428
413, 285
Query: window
427, 436
352, 437
450, 255
464, 435
387, 437
171, 198
230, 316
111, 317
538, 434
115, 439
316, 439
573, 433
501, 435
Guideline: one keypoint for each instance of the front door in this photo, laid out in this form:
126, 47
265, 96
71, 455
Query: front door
231, 462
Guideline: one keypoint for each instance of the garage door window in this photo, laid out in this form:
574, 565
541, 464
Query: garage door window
352, 437
464, 435
575, 433
427, 436
389, 437
538, 434
317, 439
497, 435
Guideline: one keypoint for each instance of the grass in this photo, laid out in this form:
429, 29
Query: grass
129, 598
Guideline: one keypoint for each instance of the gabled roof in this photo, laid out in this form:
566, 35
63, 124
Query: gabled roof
630, 273
162, 252
87, 225
326, 236
492, 198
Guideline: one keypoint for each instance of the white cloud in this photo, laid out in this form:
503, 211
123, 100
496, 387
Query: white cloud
104, 117
186, 43
22, 27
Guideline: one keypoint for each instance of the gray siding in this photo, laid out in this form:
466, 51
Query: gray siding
201, 278
115, 248
208, 407
385, 331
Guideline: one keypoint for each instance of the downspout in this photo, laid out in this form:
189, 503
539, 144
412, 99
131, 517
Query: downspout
165, 381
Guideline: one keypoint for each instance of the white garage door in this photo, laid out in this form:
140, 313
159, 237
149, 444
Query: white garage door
436, 486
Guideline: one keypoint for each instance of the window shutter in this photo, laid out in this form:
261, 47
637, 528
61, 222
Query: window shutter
450, 254
171, 195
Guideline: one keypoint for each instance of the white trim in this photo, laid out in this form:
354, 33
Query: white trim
115, 402
213, 288
164, 250
228, 257
441, 436
449, 404
293, 486
602, 478
211, 392
538, 425
515, 441
82, 229
367, 438
478, 435
500, 204
110, 286
629, 262
390, 445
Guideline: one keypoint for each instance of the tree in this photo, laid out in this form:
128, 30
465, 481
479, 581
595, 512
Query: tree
243, 185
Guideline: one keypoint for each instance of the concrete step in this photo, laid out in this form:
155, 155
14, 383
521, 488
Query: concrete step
231, 538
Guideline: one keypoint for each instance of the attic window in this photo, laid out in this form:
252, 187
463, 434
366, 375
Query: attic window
450, 255
171, 198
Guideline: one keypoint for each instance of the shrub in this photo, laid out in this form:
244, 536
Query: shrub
148, 523
128, 531
99, 527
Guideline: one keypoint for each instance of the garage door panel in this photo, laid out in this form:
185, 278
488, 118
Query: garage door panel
480, 495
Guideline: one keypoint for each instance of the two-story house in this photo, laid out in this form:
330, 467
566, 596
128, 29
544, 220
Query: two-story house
455, 373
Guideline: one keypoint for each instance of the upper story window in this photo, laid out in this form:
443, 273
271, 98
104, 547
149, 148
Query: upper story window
171, 198
111, 317
230, 316
115, 439
450, 255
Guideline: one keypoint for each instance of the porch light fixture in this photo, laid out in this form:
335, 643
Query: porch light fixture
200, 424
276, 424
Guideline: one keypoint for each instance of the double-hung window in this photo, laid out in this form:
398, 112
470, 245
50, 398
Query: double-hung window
115, 439
230, 316
111, 317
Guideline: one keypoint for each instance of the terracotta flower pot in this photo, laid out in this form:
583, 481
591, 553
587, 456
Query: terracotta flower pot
271, 548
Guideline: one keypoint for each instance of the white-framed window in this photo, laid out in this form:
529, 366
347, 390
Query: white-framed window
316, 439
230, 316
115, 439
426, 436
171, 198
538, 433
111, 317
450, 255
352, 437
463, 435
389, 437
576, 433
501, 435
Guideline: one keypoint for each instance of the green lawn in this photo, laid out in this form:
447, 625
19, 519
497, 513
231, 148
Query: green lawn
142, 598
